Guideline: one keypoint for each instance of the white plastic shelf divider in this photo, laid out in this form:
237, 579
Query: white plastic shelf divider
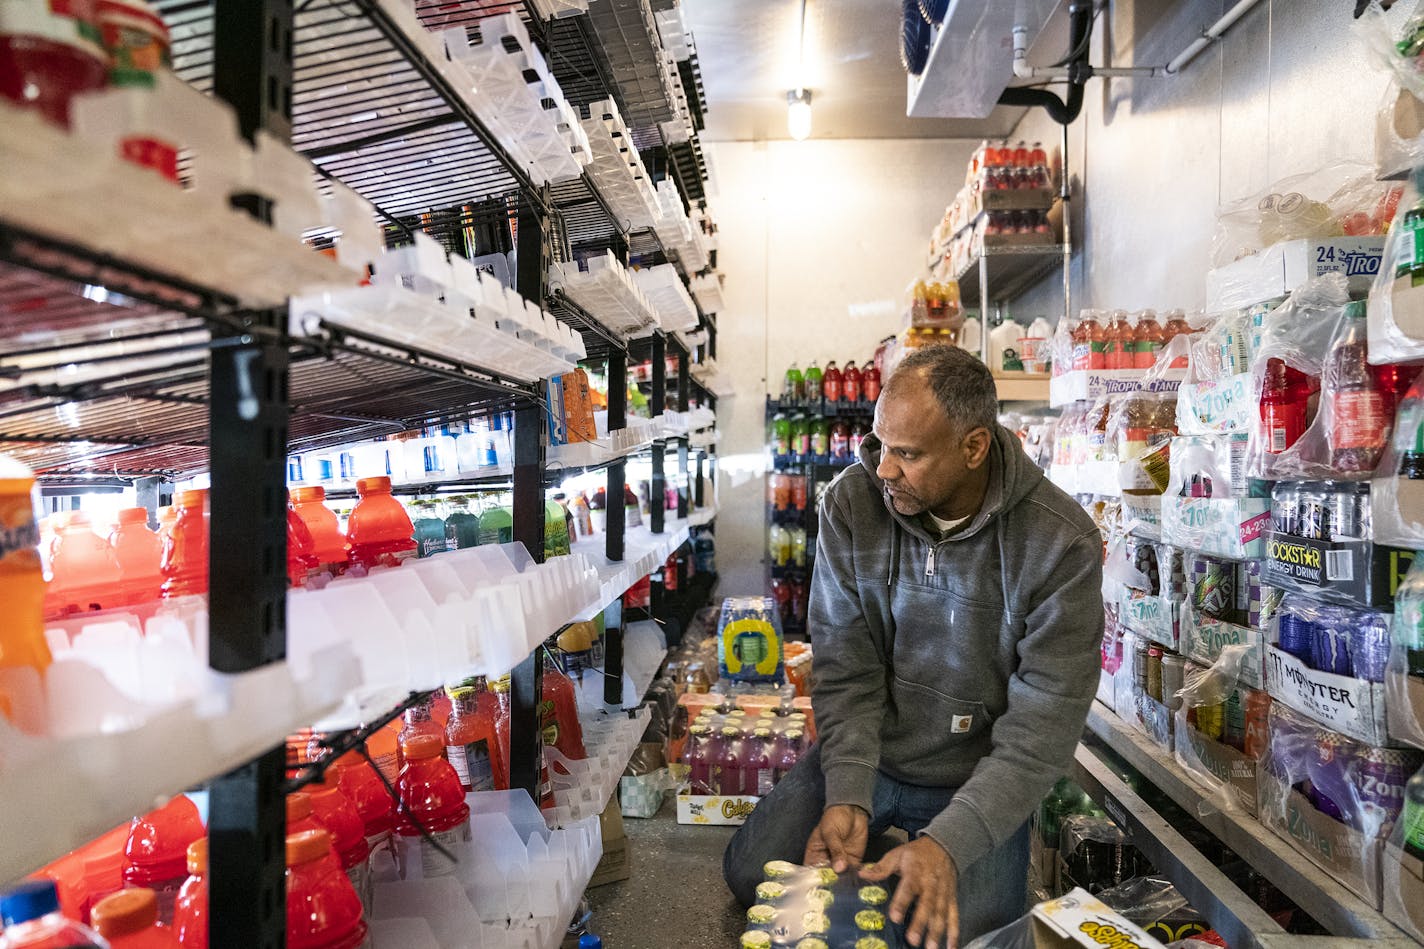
604, 288
77, 189
516, 885
703, 517
708, 291
1333, 906
617, 170
643, 552
120, 757
664, 289
436, 620
619, 443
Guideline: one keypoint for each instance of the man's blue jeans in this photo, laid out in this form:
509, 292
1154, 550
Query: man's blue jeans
991, 893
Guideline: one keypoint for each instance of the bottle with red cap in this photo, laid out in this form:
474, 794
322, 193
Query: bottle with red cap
1359, 426
1147, 340
431, 794
323, 908
129, 920
831, 383
84, 572
139, 553
156, 853
49, 53
190, 912
328, 544
339, 815
870, 381
379, 531
185, 553
851, 383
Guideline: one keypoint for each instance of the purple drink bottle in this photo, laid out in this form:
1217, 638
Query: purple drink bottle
727, 762
697, 755
757, 776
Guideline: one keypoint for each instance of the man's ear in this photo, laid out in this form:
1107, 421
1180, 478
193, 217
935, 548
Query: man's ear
976, 447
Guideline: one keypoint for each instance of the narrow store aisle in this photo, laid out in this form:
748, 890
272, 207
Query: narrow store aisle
675, 895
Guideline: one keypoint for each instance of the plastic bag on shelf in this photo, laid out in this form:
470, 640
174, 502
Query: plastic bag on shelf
1209, 466
1396, 300
1404, 675
1222, 731
1397, 492
1143, 424
1399, 124
1342, 199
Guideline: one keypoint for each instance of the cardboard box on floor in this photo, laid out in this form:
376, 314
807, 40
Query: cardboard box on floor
1079, 919
617, 861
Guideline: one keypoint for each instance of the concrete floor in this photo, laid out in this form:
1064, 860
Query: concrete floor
675, 896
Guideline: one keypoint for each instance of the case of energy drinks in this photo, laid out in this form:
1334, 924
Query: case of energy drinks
749, 640
1221, 731
816, 908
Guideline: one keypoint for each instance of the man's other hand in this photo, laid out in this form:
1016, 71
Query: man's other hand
839, 839
929, 881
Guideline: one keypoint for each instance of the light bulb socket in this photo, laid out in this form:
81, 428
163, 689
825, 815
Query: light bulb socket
798, 114
798, 96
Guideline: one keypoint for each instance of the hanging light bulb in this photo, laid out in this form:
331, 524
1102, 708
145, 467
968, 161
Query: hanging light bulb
798, 114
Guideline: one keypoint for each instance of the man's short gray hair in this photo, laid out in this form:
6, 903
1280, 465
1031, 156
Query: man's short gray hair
961, 384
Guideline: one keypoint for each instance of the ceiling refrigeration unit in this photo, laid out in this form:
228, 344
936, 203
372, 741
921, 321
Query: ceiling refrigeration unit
970, 59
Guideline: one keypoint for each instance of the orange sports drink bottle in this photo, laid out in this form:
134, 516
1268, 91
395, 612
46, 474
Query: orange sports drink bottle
22, 587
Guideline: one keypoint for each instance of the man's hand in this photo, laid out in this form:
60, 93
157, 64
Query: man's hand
839, 839
929, 880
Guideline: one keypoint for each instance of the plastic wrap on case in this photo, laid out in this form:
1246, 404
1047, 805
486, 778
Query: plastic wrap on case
1403, 864
1332, 798
1215, 397
1404, 675
1338, 200
1397, 492
1399, 125
807, 906
749, 640
1096, 854
1143, 424
1075, 919
1222, 730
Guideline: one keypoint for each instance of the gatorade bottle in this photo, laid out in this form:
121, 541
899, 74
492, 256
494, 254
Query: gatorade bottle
156, 853
328, 544
379, 531
50, 52
167, 517
556, 530
129, 920
323, 909
800, 440
419, 719
821, 440
185, 553
362, 785
301, 556
560, 719
190, 912
85, 573
30, 914
870, 382
851, 383
497, 525
22, 586
430, 792
139, 553
813, 382
299, 814
1285, 394
832, 383
339, 815
472, 742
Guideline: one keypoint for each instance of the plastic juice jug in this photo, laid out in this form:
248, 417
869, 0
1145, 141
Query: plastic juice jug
338, 814
379, 531
190, 912
323, 908
560, 719
497, 526
301, 556
328, 544
129, 920
832, 383
22, 586
1284, 397
50, 52
139, 553
30, 914
156, 853
756, 764
429, 530
1147, 340
373, 802
299, 814
430, 792
185, 553
85, 572
472, 743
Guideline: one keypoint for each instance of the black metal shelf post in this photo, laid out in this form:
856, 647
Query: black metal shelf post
247, 585
657, 506
616, 523
683, 402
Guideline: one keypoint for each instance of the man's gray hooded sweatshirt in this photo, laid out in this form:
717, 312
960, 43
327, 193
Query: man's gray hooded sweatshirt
965, 662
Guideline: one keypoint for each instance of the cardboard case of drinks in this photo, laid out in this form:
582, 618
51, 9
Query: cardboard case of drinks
1348, 572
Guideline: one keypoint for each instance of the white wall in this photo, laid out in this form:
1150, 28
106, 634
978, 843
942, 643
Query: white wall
808, 229
1290, 89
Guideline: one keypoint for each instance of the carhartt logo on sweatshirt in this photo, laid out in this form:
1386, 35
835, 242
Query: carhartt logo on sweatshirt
959, 724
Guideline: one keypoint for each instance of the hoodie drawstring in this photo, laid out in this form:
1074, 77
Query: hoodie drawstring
894, 553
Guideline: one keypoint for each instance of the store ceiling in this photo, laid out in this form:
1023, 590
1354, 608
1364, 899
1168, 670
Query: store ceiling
747, 50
